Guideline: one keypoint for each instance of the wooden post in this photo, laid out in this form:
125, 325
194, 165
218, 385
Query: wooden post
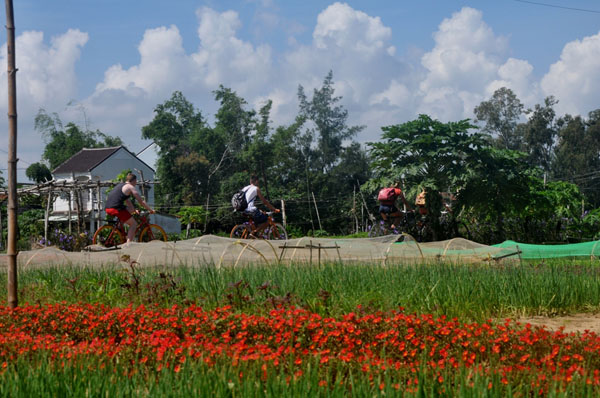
78, 198
354, 210
13, 203
90, 192
283, 217
207, 212
362, 218
99, 196
69, 211
317, 209
46, 216
143, 185
319, 255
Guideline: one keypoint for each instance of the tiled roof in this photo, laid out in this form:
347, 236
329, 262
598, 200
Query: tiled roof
85, 160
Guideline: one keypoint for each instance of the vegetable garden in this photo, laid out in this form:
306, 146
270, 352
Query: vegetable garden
359, 329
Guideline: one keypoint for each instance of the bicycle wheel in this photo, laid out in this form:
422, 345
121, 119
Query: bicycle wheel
276, 232
153, 232
108, 236
241, 231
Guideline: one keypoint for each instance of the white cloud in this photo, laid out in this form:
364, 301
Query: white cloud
162, 66
379, 86
46, 78
340, 26
468, 63
575, 79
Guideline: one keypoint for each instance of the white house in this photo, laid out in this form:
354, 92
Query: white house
105, 164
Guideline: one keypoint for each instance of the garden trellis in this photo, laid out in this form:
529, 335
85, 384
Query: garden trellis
227, 252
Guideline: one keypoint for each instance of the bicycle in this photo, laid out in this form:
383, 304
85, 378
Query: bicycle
248, 230
114, 234
410, 223
384, 227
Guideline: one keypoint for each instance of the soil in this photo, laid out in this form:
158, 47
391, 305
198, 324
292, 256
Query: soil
572, 323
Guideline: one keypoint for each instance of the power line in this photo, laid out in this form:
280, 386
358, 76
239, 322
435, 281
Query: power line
555, 6
20, 160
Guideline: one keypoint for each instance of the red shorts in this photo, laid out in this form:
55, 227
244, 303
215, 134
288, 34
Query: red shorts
123, 215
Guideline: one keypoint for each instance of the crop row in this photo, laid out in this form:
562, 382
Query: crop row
287, 338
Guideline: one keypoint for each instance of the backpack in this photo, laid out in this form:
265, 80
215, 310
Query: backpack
238, 201
387, 195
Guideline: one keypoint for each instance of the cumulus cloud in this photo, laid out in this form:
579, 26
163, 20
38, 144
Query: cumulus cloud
574, 80
46, 78
162, 65
380, 87
340, 26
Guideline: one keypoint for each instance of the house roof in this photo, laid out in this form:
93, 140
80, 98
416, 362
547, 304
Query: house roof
85, 160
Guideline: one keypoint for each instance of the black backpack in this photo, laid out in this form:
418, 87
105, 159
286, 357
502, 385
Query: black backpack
238, 201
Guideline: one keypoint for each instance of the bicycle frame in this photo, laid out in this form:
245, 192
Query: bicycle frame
249, 229
117, 232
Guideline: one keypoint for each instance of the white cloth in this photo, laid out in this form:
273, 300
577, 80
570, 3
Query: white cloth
251, 193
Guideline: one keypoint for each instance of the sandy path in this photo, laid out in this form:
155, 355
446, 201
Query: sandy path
571, 323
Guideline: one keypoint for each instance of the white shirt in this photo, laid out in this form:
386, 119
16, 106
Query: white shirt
251, 193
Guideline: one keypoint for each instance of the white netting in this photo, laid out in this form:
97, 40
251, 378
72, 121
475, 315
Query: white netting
219, 251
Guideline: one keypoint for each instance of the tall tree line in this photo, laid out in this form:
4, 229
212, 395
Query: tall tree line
510, 162
314, 157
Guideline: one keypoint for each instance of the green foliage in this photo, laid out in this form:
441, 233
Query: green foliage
38, 172
501, 114
188, 150
429, 154
539, 133
328, 122
31, 224
468, 291
192, 214
577, 153
201, 165
62, 143
121, 176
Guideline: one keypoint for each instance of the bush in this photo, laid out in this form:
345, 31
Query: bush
65, 241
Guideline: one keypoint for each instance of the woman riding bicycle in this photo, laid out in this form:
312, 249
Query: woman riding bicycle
260, 218
387, 204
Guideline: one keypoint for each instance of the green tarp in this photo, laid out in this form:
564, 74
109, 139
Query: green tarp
529, 251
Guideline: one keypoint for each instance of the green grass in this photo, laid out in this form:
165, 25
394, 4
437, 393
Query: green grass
85, 379
472, 292
469, 292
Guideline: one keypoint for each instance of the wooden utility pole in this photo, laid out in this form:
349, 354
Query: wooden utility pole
12, 157
317, 209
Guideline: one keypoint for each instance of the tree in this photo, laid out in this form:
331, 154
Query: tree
539, 133
329, 121
179, 130
38, 172
62, 143
577, 153
429, 153
501, 114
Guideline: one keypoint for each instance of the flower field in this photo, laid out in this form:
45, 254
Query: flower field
246, 341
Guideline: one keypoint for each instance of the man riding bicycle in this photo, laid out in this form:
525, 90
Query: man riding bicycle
260, 218
387, 208
119, 204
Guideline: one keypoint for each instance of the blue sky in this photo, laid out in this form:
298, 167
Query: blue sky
391, 60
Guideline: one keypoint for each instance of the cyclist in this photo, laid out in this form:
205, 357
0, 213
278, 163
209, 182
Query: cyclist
119, 204
387, 204
252, 191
